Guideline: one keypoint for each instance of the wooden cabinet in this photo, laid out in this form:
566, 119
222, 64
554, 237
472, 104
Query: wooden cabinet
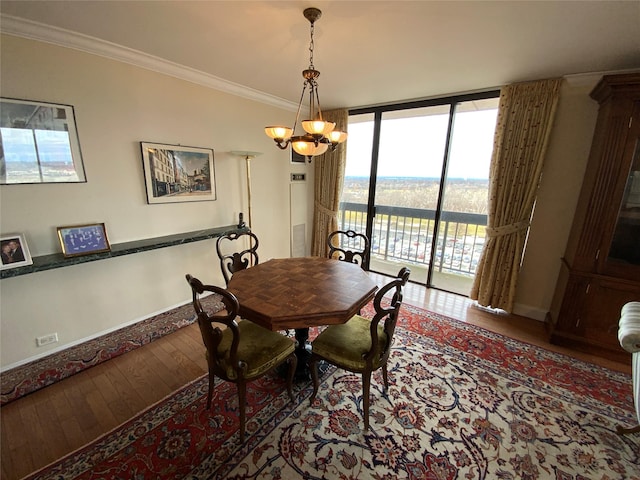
600, 271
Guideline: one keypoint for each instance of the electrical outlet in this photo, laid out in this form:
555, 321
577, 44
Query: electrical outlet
47, 339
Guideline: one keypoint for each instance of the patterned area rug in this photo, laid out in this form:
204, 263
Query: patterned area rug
463, 403
28, 378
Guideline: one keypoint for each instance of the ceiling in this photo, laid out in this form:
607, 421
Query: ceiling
369, 52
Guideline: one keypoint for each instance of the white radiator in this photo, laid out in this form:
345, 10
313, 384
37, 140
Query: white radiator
298, 207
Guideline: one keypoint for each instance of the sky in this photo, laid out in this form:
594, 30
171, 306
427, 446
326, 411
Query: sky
414, 146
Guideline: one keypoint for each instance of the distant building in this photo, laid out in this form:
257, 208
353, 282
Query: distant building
199, 181
161, 165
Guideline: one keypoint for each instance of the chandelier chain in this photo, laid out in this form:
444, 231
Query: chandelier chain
311, 45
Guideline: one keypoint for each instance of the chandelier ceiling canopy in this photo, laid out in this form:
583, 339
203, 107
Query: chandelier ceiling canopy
320, 135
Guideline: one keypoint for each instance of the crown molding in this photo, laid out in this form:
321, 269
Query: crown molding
589, 79
20, 27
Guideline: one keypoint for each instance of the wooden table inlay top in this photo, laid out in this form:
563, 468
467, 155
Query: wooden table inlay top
301, 292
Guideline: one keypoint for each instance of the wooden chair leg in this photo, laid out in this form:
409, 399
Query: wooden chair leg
366, 389
242, 406
620, 430
385, 377
313, 366
293, 363
212, 378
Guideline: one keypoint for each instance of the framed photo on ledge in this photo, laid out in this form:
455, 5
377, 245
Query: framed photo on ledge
173, 173
83, 239
15, 252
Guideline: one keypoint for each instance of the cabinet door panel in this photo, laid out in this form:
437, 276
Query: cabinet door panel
573, 305
622, 243
603, 304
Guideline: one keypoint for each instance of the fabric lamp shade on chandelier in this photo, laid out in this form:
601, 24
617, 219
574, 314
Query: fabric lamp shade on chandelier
320, 135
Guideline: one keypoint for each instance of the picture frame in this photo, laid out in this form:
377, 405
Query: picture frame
39, 143
78, 240
15, 252
176, 174
298, 159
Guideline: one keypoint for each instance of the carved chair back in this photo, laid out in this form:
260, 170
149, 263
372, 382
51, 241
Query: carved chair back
234, 254
212, 334
349, 246
388, 314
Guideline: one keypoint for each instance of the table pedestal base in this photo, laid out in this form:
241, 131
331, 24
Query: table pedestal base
303, 353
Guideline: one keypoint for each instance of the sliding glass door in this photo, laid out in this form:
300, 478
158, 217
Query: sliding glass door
417, 181
412, 145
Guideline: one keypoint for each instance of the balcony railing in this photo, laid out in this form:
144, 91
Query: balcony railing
406, 235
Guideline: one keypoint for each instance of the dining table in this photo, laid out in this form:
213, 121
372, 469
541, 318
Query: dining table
301, 292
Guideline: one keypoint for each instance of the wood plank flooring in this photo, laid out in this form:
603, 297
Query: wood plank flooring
45, 425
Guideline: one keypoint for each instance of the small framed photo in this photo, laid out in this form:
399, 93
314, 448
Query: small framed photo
15, 252
83, 239
173, 173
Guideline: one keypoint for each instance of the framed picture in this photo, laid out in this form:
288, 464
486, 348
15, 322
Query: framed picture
15, 252
38, 143
297, 158
174, 173
83, 239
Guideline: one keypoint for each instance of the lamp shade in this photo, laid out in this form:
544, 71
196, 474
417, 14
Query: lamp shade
336, 136
318, 127
278, 133
307, 146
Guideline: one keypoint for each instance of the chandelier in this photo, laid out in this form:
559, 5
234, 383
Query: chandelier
320, 134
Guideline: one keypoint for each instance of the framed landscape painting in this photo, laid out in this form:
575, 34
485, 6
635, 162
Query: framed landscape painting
38, 143
174, 173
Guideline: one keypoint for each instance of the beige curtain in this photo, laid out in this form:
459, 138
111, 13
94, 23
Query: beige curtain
329, 177
525, 118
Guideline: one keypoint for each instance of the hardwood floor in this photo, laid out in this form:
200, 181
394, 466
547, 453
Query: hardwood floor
47, 424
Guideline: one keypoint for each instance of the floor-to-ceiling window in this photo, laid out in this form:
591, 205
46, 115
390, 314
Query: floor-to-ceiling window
416, 181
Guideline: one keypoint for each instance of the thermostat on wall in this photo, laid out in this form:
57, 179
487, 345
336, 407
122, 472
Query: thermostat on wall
298, 177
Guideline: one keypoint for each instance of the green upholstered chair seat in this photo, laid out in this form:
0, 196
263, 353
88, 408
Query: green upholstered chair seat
345, 345
259, 348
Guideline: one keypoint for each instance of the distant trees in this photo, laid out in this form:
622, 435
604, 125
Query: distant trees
460, 195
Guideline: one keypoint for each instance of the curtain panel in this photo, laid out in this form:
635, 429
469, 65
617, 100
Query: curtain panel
525, 118
328, 180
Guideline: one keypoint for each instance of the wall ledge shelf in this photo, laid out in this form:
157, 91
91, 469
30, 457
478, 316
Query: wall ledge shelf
57, 260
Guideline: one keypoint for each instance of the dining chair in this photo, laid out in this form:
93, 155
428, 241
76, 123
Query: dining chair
239, 351
362, 345
349, 246
232, 253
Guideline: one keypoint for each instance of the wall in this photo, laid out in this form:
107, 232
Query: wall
564, 167
117, 106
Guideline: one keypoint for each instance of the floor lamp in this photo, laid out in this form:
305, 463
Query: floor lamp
248, 156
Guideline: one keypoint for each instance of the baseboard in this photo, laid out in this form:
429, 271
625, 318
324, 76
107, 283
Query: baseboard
530, 312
